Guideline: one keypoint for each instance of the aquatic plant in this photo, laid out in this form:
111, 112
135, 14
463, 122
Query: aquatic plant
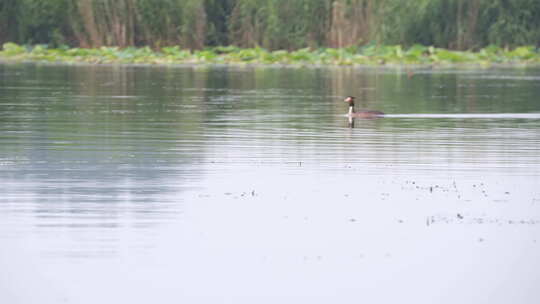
368, 55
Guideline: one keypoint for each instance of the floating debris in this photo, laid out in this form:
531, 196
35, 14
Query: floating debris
460, 219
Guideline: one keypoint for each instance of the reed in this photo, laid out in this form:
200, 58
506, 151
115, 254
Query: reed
271, 24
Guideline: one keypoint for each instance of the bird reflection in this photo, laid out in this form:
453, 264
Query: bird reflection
351, 122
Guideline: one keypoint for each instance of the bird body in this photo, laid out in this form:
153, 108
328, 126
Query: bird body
361, 114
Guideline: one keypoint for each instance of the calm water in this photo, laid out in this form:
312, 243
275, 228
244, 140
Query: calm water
249, 185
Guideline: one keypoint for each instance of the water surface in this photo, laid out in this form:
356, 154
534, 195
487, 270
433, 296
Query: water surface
140, 184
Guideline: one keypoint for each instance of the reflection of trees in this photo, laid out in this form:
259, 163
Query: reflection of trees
102, 134
137, 133
424, 90
353, 82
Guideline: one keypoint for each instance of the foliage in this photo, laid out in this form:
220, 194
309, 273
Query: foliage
368, 55
271, 24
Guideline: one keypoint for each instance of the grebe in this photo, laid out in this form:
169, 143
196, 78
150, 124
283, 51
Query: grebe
361, 114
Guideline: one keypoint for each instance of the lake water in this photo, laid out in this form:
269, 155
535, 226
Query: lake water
141, 184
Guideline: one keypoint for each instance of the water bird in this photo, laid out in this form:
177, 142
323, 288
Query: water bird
361, 114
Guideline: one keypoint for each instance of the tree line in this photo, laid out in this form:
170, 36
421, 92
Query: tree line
271, 24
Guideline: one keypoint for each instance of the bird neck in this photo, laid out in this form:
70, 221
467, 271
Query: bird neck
351, 109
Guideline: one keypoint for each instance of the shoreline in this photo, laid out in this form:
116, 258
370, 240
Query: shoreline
373, 56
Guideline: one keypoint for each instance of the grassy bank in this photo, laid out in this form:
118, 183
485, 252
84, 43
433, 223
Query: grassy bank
368, 55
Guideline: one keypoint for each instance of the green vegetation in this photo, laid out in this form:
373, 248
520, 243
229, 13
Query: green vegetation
271, 24
342, 32
368, 55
